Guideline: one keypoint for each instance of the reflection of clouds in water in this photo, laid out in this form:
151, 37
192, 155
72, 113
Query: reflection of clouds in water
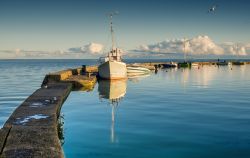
200, 78
240, 71
205, 75
170, 73
185, 76
243, 71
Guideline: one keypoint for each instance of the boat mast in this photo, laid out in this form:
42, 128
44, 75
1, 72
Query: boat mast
111, 29
237, 50
184, 49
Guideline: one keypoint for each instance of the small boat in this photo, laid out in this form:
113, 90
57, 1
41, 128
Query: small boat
112, 67
222, 63
195, 64
237, 63
137, 70
184, 64
170, 65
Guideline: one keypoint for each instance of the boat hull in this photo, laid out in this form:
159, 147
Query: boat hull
112, 70
139, 70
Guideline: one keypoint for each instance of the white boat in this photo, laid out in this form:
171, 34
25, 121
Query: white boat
195, 64
112, 67
137, 70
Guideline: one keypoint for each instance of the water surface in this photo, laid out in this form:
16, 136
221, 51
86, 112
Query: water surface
179, 113
194, 112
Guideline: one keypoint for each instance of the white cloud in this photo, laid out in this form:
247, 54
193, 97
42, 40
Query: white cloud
88, 50
200, 45
236, 49
91, 48
204, 45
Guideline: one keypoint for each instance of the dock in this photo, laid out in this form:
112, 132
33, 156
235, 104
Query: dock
32, 130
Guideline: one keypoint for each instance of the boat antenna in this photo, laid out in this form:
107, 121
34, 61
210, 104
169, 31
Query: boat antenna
185, 41
184, 49
111, 27
237, 50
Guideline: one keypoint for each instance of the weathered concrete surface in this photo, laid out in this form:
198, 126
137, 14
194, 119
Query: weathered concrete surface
31, 131
84, 83
3, 135
57, 76
91, 69
87, 73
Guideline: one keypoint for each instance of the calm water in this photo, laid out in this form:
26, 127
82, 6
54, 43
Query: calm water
179, 113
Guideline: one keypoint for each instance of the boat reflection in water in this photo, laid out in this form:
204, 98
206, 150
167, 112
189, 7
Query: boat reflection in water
114, 91
137, 77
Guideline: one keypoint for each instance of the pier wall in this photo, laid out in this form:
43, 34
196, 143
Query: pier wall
32, 129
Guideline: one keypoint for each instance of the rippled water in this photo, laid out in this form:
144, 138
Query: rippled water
194, 112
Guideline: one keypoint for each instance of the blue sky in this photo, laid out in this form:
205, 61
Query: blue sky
57, 25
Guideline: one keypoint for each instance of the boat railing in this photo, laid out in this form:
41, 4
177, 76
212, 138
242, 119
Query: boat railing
103, 59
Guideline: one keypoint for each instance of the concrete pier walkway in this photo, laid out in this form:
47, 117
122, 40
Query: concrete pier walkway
32, 130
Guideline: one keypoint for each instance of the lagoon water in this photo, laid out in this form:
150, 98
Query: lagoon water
193, 112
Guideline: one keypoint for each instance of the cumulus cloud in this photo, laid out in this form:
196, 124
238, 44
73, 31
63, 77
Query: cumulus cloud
91, 48
88, 50
236, 49
200, 45
204, 45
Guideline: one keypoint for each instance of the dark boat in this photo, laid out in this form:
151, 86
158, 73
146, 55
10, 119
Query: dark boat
237, 63
222, 63
170, 65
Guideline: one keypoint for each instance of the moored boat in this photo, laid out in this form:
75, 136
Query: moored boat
138, 70
112, 67
184, 64
170, 65
195, 64
237, 63
222, 63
